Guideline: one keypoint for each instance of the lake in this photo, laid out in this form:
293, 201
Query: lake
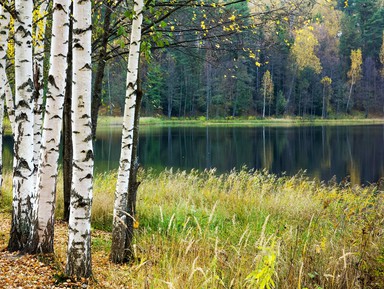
323, 151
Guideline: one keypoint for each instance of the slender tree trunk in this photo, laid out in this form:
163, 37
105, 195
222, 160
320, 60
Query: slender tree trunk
133, 183
79, 237
50, 142
67, 128
208, 88
119, 252
38, 78
349, 96
4, 86
24, 199
98, 82
264, 97
324, 109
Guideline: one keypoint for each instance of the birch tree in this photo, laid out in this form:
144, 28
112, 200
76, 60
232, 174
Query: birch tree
120, 250
4, 85
5, 35
326, 82
79, 238
354, 73
38, 71
24, 198
267, 90
50, 142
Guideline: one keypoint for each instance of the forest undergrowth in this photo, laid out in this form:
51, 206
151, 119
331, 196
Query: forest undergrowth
237, 230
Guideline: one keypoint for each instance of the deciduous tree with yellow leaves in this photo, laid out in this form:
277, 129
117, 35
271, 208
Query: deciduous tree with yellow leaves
354, 73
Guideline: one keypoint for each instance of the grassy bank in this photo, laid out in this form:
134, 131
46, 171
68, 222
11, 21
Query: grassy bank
239, 230
106, 121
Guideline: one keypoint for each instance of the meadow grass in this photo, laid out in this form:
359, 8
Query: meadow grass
105, 122
242, 230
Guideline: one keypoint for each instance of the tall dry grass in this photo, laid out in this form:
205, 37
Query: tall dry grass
245, 230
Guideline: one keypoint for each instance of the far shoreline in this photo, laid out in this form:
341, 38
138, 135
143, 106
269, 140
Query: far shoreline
116, 121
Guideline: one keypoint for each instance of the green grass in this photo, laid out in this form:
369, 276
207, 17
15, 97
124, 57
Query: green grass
245, 230
106, 121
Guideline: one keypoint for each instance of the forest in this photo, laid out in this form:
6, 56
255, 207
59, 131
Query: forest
324, 59
66, 65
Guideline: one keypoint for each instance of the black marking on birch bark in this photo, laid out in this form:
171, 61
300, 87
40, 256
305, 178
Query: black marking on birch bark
20, 117
89, 156
88, 176
28, 83
23, 103
78, 46
77, 167
85, 116
23, 164
80, 202
18, 174
61, 55
70, 227
59, 7
78, 31
88, 138
51, 80
21, 29
131, 85
56, 116
86, 67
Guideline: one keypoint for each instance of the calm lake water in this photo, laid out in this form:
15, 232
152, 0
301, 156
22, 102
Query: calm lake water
323, 151
342, 151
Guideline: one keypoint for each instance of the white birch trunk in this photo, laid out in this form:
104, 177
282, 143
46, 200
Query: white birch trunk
5, 88
50, 142
79, 239
4, 31
38, 66
119, 233
24, 199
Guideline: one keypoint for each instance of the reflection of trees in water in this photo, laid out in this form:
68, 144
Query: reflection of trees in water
357, 151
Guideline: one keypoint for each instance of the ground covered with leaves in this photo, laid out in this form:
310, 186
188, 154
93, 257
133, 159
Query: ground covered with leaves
27, 271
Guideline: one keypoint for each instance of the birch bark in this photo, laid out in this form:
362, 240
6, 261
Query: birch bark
4, 85
50, 142
24, 198
120, 251
79, 239
5, 88
38, 66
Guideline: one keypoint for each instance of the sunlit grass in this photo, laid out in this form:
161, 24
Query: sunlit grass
106, 122
243, 230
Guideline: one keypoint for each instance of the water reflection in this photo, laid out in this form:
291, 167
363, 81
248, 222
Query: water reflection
324, 152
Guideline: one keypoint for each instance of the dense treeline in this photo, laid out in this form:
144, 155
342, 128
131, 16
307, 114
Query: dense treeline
307, 55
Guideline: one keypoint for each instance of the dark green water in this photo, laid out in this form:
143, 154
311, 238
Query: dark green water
324, 152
